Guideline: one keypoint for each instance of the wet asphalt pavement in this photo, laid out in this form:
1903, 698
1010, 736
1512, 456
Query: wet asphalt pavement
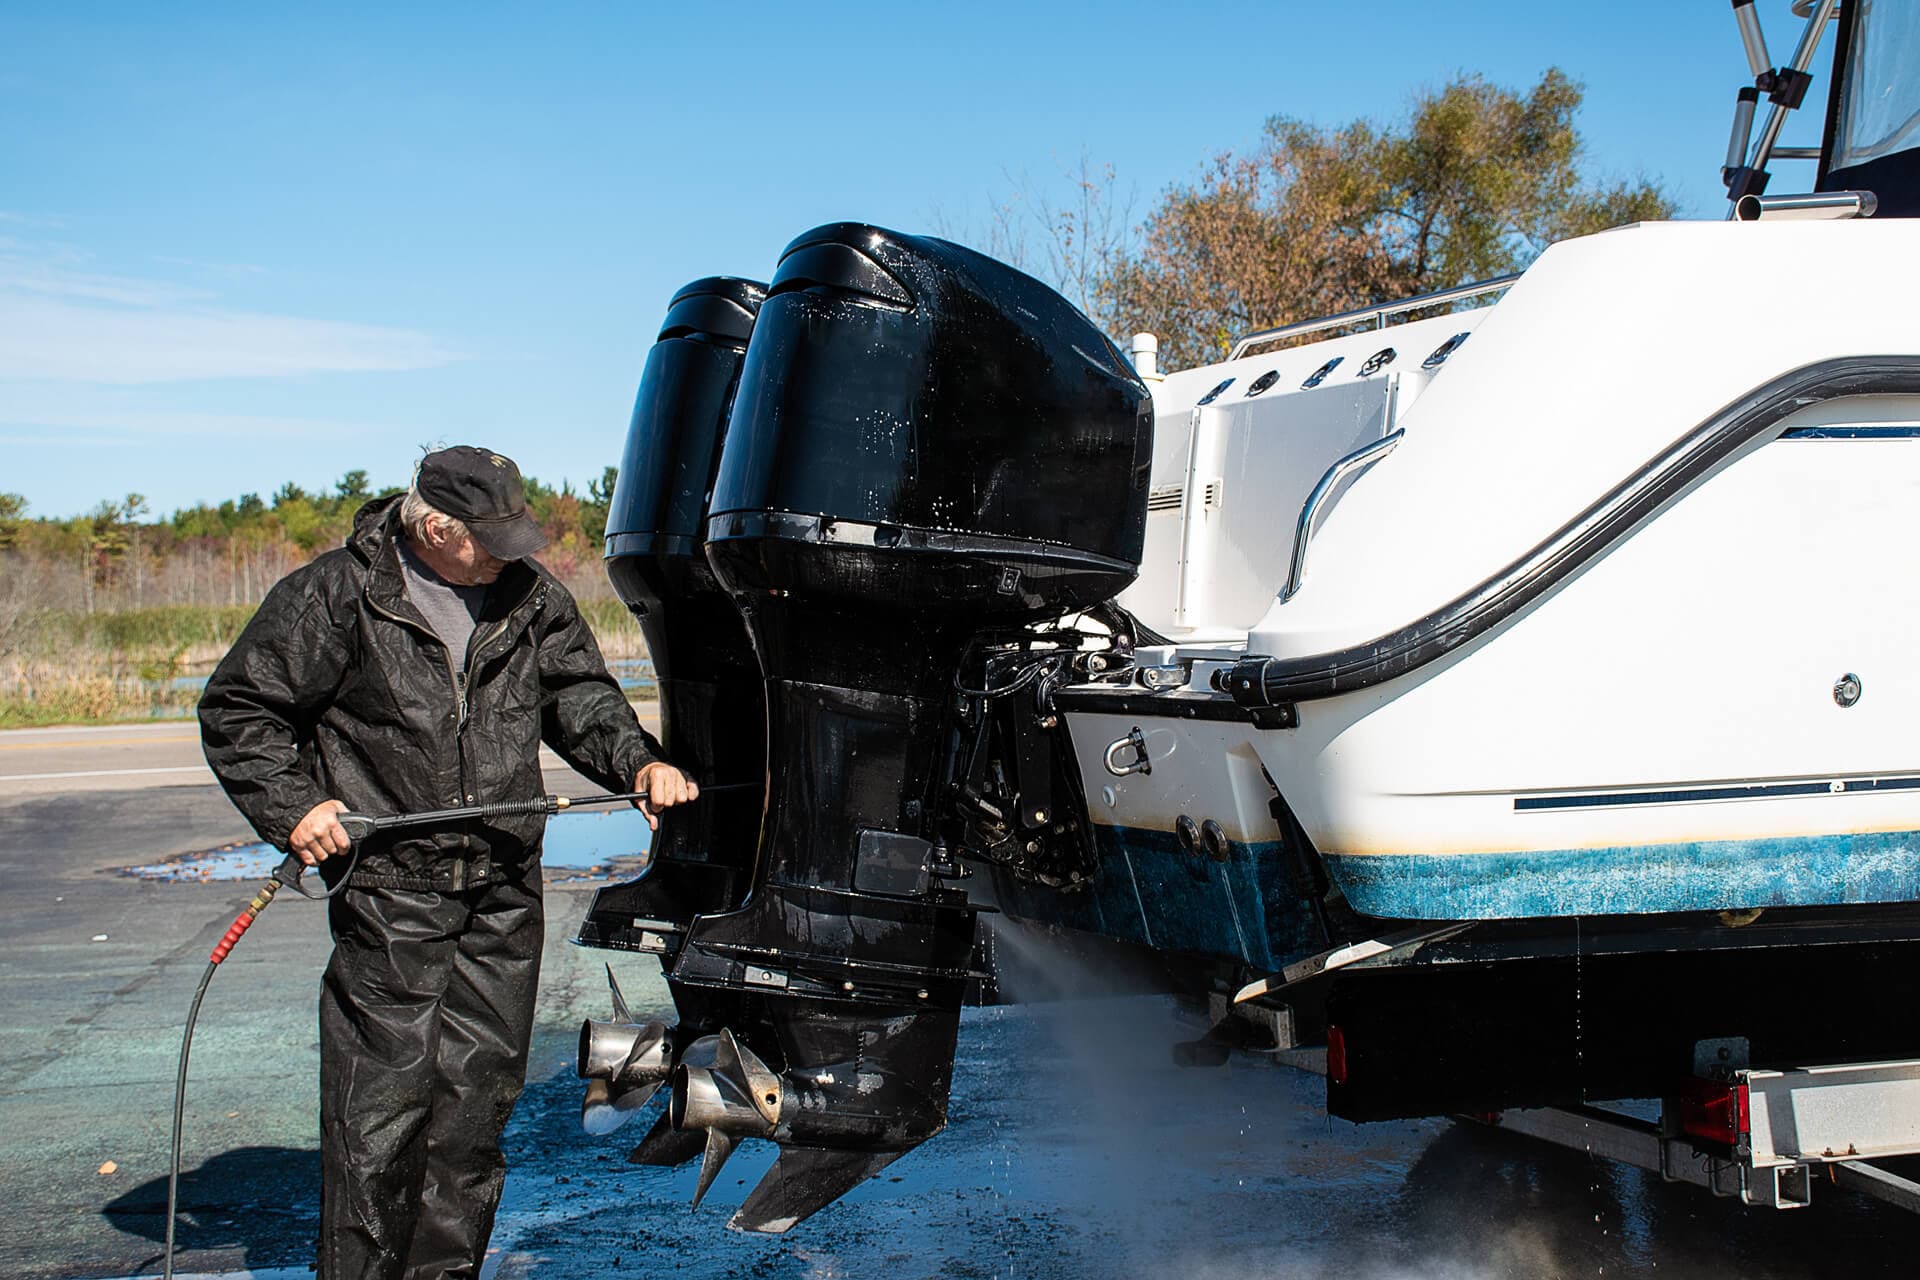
1076, 1149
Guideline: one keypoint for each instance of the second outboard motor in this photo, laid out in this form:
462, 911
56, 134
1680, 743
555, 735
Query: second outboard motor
712, 720
926, 445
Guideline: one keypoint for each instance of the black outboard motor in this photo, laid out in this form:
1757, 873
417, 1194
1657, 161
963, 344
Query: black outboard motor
712, 717
925, 446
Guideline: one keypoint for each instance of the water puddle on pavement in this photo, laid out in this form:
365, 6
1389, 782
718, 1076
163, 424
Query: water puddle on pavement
610, 844
581, 848
239, 861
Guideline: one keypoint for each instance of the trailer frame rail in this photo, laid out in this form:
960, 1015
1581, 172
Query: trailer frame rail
1788, 1129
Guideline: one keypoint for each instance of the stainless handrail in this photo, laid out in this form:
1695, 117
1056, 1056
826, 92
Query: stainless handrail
1303, 532
1811, 207
1378, 312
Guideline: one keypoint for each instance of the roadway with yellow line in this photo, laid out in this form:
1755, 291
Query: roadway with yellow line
122, 757
82, 744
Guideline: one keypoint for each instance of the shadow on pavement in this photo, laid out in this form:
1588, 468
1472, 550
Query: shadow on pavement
1498, 1206
261, 1203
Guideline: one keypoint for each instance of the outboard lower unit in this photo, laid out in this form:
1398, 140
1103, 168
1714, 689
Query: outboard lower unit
929, 453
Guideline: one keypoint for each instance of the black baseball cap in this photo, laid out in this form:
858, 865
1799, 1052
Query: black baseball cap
482, 489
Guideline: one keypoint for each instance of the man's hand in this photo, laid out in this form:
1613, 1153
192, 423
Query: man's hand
319, 836
665, 786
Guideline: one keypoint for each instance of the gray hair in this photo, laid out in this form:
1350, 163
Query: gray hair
414, 511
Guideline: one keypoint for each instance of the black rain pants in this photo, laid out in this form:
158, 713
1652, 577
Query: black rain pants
425, 1015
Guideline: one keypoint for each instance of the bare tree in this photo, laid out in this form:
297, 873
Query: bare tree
16, 601
1072, 238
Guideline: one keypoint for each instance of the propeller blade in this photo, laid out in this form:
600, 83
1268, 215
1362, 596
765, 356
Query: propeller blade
666, 1147
605, 1109
620, 1013
647, 1044
743, 1067
719, 1147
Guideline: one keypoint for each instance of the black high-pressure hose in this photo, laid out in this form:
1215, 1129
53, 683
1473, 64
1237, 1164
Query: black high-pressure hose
358, 827
287, 874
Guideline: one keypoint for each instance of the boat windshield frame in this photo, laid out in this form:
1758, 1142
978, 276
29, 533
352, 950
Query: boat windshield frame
1876, 43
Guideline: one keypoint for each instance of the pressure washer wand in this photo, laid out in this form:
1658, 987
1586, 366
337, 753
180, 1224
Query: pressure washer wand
358, 827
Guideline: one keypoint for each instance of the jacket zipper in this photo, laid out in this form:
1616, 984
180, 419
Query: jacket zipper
459, 695
459, 676
457, 679
537, 596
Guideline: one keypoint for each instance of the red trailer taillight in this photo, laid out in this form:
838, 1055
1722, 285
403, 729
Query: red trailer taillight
1713, 1111
1336, 1056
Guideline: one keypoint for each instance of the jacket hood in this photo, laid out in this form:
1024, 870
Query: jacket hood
373, 523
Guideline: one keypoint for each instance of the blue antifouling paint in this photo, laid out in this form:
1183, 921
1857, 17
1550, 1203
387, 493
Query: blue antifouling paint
1800, 871
1150, 891
1185, 896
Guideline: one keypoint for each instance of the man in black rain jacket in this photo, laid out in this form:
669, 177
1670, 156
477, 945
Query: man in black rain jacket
346, 691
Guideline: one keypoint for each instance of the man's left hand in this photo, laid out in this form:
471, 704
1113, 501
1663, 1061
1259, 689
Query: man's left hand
665, 786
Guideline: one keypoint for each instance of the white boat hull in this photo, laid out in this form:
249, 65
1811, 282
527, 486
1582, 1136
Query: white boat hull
1662, 727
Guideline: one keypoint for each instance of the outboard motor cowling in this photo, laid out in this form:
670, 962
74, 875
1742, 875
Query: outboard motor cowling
923, 429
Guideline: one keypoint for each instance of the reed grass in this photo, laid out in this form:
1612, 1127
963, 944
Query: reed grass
197, 629
617, 630
32, 696
76, 668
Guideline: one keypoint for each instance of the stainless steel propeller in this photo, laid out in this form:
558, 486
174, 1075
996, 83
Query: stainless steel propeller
737, 1097
624, 1063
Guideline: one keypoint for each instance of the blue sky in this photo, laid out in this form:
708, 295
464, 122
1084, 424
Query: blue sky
241, 245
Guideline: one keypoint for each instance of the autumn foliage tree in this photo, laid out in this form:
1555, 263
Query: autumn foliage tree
1475, 182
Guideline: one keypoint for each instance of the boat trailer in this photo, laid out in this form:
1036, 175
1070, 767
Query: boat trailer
1765, 1136
1561, 1036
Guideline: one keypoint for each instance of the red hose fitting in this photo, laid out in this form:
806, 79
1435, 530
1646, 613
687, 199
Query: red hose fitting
244, 921
240, 925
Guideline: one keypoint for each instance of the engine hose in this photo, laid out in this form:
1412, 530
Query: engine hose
1040, 663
